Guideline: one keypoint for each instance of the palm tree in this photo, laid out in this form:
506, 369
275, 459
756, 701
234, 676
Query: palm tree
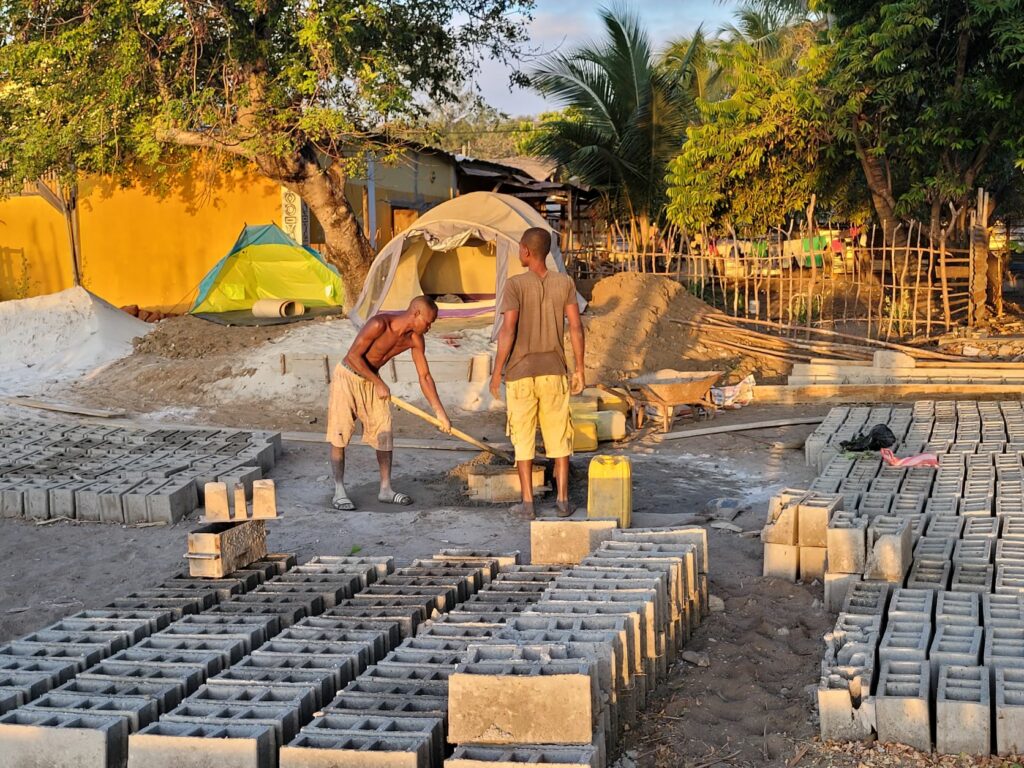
625, 119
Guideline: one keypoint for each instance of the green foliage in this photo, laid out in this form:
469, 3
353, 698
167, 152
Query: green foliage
106, 85
754, 157
625, 117
928, 95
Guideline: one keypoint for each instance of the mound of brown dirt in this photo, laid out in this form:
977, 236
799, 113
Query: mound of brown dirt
188, 337
630, 331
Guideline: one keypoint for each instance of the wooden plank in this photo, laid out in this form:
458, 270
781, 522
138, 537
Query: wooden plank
881, 393
725, 428
79, 410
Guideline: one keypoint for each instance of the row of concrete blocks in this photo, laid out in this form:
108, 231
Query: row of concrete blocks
883, 626
112, 485
958, 713
552, 618
349, 639
80, 686
649, 582
27, 429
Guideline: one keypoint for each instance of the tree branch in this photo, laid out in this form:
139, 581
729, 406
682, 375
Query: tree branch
202, 140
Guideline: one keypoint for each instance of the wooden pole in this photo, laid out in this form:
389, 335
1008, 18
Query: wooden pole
945, 281
408, 408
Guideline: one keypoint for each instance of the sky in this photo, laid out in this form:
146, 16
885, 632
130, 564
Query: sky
559, 25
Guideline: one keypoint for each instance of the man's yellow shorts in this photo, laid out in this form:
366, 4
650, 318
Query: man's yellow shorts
539, 401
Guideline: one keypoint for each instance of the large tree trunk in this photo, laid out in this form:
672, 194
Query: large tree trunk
323, 190
348, 249
878, 185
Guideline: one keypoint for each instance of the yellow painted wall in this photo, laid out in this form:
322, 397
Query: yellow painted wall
141, 248
137, 247
33, 249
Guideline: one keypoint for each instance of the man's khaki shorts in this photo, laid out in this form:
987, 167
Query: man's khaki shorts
539, 401
352, 399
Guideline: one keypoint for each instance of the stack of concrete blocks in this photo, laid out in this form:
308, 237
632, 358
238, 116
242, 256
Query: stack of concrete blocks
795, 534
50, 469
925, 568
598, 635
845, 423
395, 708
82, 685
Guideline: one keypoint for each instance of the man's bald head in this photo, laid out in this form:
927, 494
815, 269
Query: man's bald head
425, 305
537, 241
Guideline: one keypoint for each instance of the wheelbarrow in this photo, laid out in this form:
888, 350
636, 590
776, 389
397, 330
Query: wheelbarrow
666, 390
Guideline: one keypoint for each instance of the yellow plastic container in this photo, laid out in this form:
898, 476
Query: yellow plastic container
611, 425
610, 489
584, 433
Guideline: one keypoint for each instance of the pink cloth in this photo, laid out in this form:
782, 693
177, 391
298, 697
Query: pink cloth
922, 460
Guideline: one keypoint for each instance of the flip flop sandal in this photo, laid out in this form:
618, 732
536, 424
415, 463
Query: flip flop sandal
342, 504
564, 511
400, 499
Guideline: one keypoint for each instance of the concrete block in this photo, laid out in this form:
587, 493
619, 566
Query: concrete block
192, 745
845, 706
321, 682
905, 640
1004, 647
357, 751
960, 608
783, 518
395, 704
980, 551
282, 717
31, 685
928, 573
337, 724
229, 649
166, 696
837, 586
972, 577
846, 539
902, 709
934, 548
552, 755
954, 645
686, 536
1009, 711
62, 740
567, 542
138, 711
813, 563
781, 561
57, 670
890, 549
912, 604
532, 703
963, 711
867, 598
814, 512
1002, 610
1009, 579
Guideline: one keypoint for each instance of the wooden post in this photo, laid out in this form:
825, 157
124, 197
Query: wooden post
943, 274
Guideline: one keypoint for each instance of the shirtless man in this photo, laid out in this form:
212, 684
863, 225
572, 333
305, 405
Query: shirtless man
358, 393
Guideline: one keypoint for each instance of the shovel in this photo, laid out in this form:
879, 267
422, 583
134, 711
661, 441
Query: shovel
455, 432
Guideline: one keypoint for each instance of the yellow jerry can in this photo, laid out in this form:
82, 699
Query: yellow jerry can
584, 433
610, 489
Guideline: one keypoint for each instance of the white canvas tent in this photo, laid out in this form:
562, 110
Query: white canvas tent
460, 253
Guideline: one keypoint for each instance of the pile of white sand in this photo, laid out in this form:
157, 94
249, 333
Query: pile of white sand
60, 337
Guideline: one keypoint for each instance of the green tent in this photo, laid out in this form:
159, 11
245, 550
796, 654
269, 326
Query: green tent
267, 264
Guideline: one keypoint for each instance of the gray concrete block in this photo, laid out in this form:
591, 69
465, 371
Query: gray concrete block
138, 711
337, 724
30, 684
483, 756
911, 604
902, 711
190, 745
282, 717
963, 711
351, 751
318, 681
58, 670
166, 696
266, 625
65, 740
905, 640
302, 700
1009, 711
867, 598
387, 629
972, 577
1003, 610
962, 608
229, 648
954, 645
1004, 647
